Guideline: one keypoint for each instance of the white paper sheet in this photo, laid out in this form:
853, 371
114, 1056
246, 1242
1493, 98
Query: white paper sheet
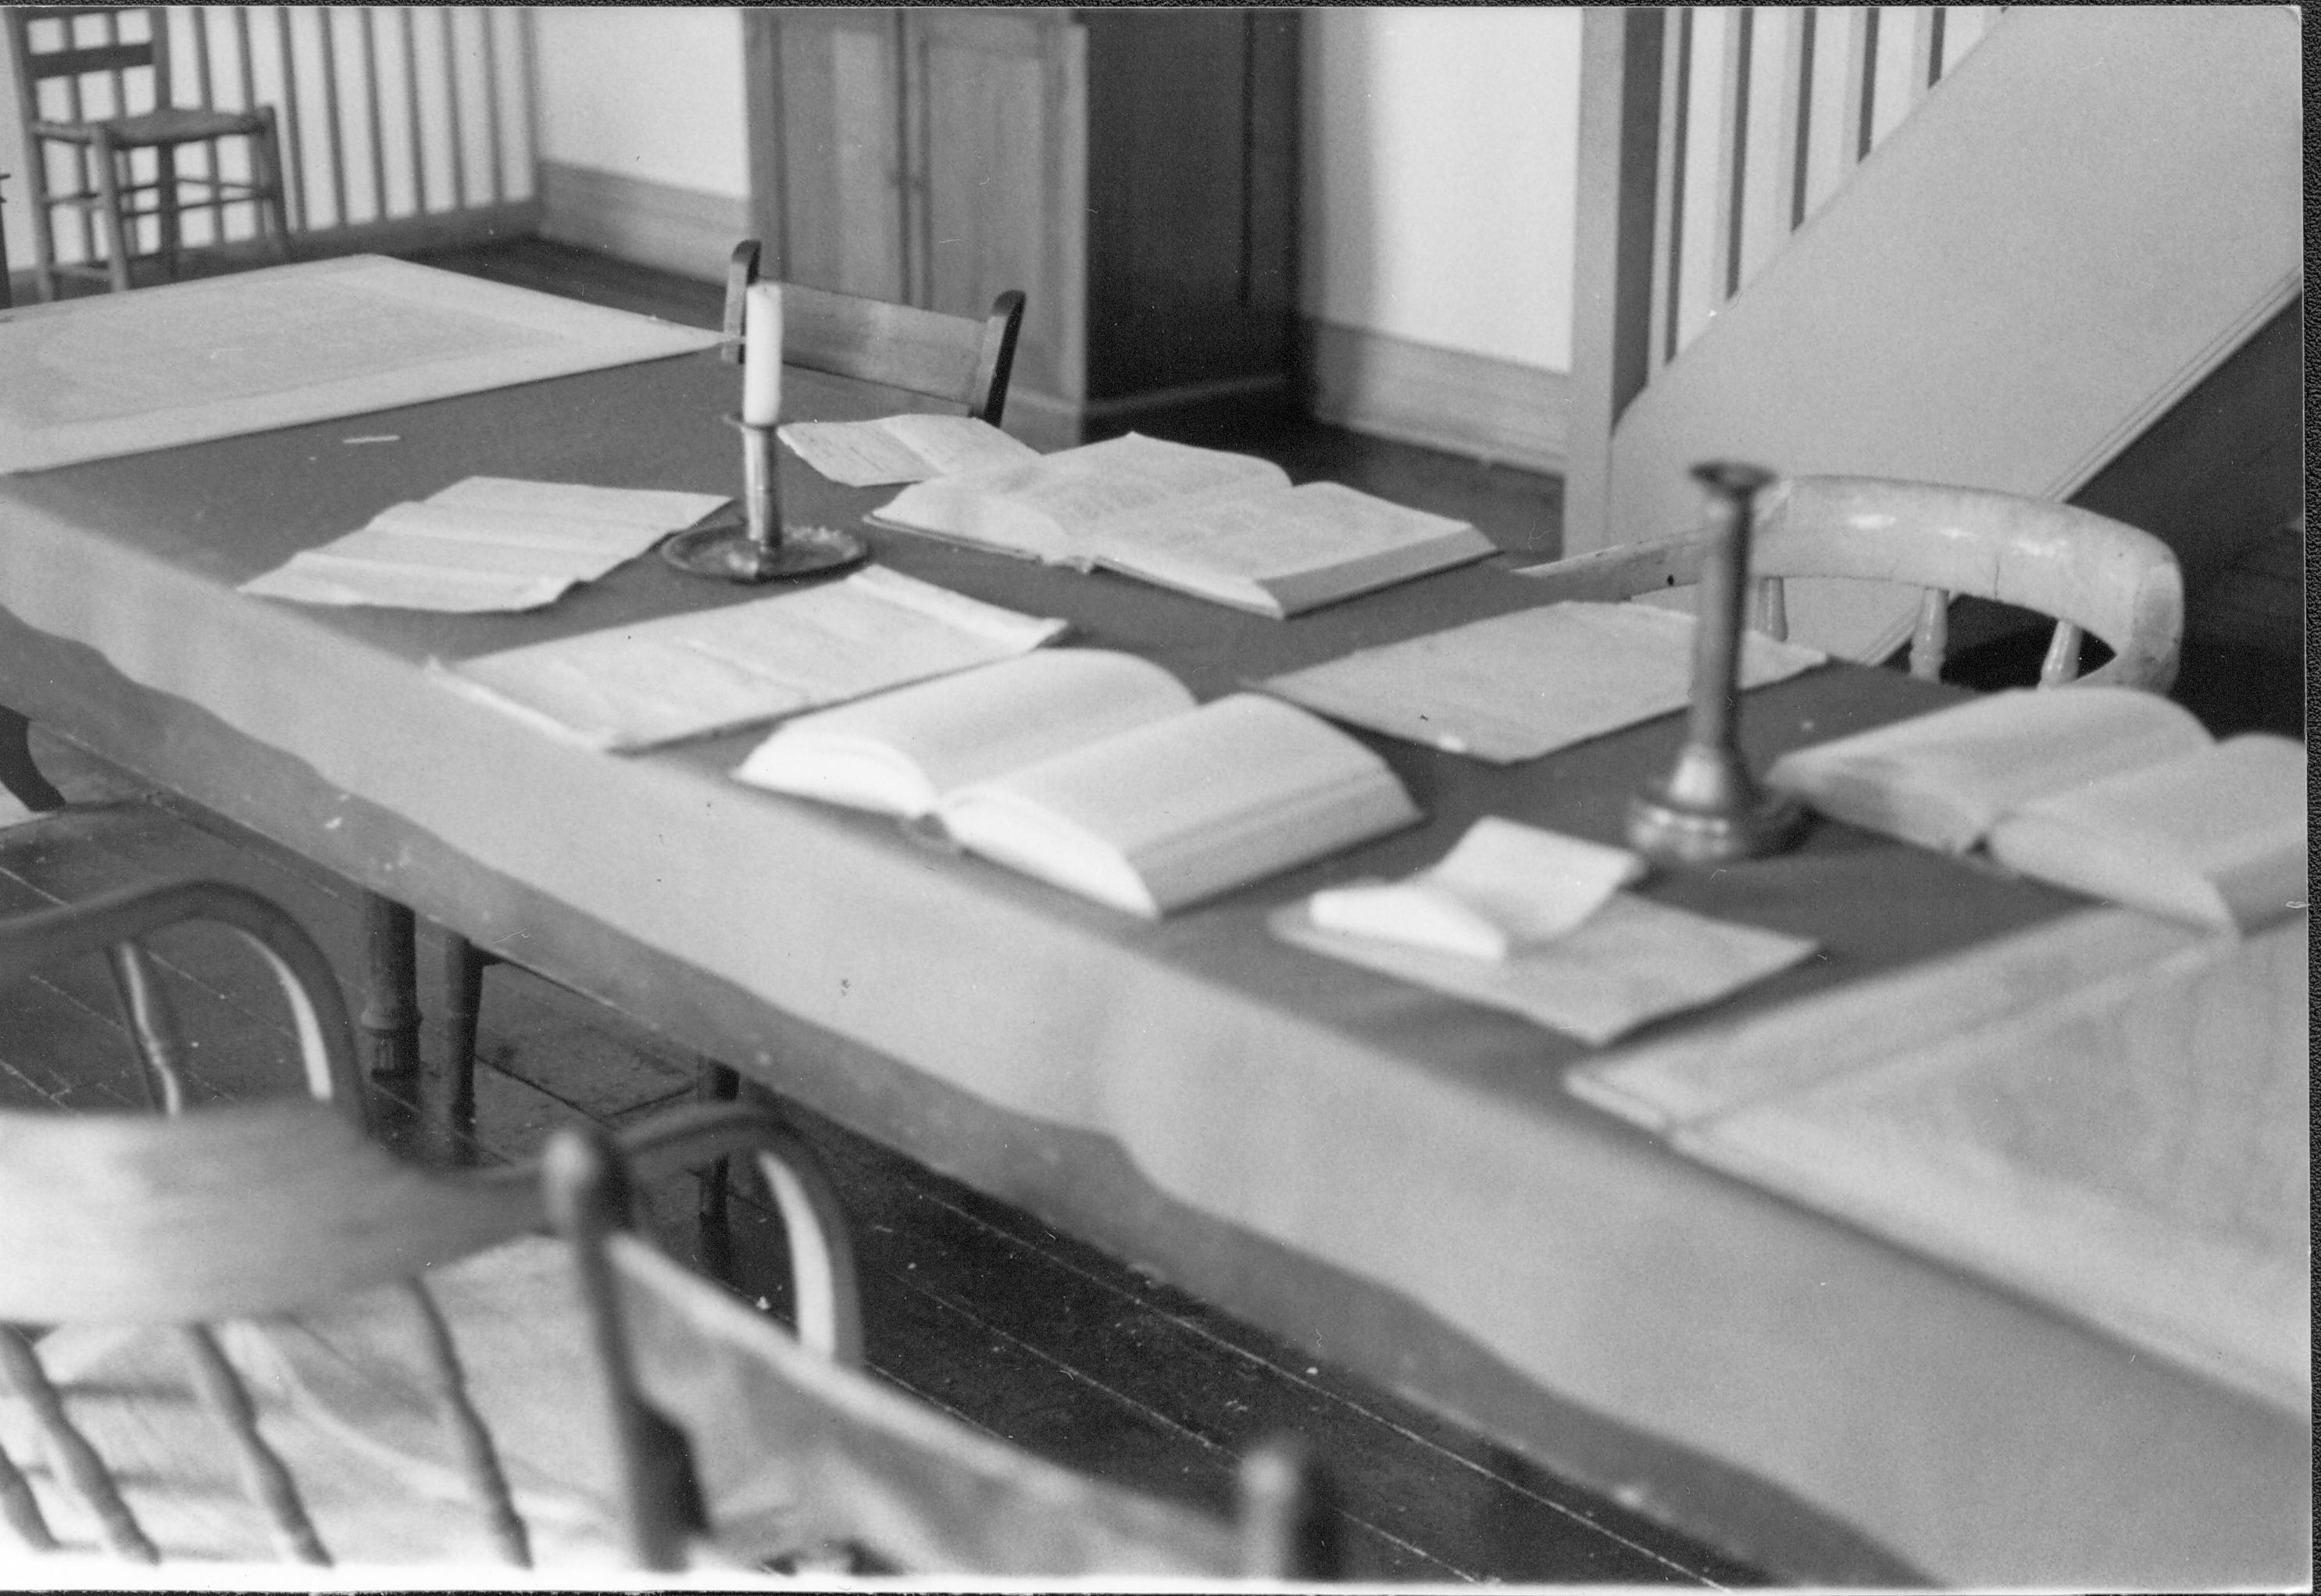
485, 543
1633, 960
116, 374
1519, 686
633, 688
1506, 887
909, 448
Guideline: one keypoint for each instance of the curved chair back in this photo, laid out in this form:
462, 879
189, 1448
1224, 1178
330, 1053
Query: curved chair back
702, 1390
2089, 573
957, 360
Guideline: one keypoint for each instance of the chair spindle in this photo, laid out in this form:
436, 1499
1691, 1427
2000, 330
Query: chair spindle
263, 1477
2062, 661
1931, 641
473, 1441
152, 1025
1772, 608
69, 1452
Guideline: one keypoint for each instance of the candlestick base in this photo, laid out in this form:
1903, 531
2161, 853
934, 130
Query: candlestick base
726, 550
1668, 831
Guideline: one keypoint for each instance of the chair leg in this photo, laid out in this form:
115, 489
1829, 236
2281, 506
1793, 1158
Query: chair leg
116, 223
44, 227
18, 773
450, 1110
390, 1013
714, 1083
266, 157
165, 193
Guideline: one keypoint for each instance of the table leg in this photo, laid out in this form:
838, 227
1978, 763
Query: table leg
390, 1013
18, 773
714, 1083
447, 1103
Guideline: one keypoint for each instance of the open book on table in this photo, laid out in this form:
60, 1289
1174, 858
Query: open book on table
2111, 791
1096, 771
1224, 527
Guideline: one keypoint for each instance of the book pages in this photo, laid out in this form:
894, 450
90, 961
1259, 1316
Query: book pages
633, 688
1506, 886
1631, 961
485, 543
1519, 686
895, 449
118, 373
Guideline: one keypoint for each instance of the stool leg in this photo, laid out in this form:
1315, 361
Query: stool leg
714, 1083
390, 1013
18, 773
451, 1109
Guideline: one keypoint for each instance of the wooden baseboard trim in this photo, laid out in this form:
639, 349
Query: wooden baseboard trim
1224, 411
680, 230
1495, 411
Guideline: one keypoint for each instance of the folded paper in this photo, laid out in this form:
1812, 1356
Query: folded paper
1504, 886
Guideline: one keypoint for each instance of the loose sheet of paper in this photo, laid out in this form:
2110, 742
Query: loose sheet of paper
1518, 685
121, 373
909, 448
485, 543
1633, 960
1507, 886
633, 688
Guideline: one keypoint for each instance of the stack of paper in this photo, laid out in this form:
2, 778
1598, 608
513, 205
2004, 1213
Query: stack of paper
1519, 686
1533, 923
902, 448
485, 543
633, 688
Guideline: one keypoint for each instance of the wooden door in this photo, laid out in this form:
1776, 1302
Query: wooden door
829, 184
2073, 225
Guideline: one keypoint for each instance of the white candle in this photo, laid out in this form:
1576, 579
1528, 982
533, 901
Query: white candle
761, 354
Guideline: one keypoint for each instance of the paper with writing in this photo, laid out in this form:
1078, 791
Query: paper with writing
1519, 686
121, 373
633, 688
909, 448
1507, 886
1631, 961
485, 543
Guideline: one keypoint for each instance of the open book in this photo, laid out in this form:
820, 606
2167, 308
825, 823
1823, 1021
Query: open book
1096, 772
1224, 527
2109, 791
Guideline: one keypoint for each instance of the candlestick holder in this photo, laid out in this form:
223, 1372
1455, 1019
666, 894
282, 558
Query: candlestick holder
1709, 811
754, 546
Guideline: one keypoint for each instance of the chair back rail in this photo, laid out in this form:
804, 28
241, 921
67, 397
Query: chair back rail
2089, 572
693, 1374
957, 359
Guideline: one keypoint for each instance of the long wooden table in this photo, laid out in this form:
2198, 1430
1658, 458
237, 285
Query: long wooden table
1394, 1180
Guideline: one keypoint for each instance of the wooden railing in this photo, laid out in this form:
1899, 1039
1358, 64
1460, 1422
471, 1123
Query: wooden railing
1763, 111
404, 123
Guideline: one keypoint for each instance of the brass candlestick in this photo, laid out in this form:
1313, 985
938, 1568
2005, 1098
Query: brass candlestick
1709, 811
755, 546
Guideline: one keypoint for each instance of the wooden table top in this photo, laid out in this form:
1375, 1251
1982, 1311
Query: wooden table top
1392, 1178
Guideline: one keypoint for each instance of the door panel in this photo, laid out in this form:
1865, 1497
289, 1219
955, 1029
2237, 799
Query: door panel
841, 157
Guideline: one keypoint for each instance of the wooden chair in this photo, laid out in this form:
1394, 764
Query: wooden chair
352, 1418
79, 68
869, 1480
2091, 573
954, 359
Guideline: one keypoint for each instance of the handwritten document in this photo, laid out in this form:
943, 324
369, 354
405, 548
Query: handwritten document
485, 543
1519, 686
909, 448
633, 688
184, 362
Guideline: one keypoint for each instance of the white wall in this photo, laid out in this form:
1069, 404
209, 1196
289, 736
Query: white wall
652, 92
1440, 152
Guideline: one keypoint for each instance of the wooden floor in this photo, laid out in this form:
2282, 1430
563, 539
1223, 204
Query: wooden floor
969, 1304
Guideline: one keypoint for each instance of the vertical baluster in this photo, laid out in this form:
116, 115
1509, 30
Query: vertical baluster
1733, 151
332, 113
292, 134
1861, 85
374, 123
205, 96
1796, 109
409, 31
1927, 49
489, 16
454, 124
1668, 224
249, 98
528, 82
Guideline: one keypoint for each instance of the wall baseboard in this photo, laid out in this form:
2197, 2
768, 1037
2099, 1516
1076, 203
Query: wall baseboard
1495, 411
681, 229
